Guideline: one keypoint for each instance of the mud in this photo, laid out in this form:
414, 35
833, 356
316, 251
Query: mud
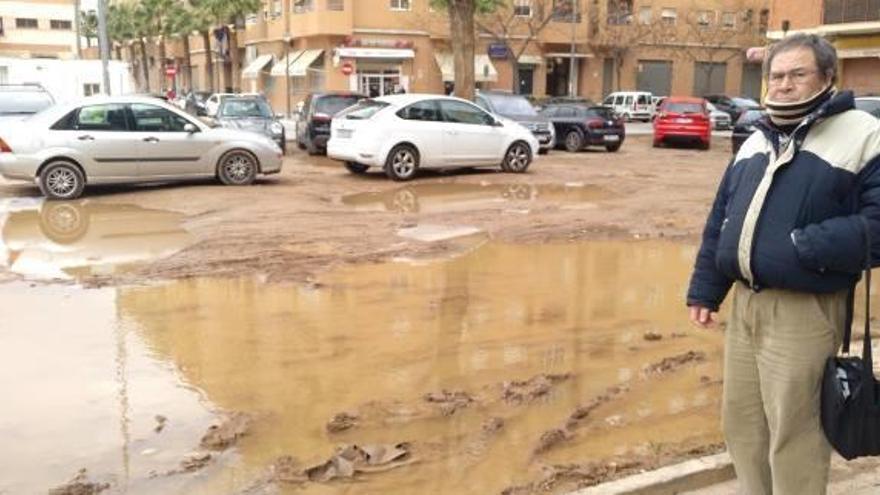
227, 432
671, 364
80, 485
449, 402
341, 422
535, 388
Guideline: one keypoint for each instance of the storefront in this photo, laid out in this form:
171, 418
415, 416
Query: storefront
859, 63
484, 70
377, 67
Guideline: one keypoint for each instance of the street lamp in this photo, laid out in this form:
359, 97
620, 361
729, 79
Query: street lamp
287, 70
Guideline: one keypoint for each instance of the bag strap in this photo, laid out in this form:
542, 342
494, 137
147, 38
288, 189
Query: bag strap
867, 358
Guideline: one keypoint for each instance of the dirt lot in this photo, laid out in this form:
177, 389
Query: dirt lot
315, 215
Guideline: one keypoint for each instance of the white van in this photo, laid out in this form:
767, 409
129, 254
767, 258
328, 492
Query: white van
631, 105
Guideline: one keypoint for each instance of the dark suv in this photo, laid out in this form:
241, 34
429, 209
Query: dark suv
733, 106
313, 121
518, 109
20, 101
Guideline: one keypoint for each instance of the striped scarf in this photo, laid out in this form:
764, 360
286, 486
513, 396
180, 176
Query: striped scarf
791, 114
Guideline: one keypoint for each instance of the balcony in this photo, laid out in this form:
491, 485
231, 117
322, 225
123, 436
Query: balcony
323, 17
847, 11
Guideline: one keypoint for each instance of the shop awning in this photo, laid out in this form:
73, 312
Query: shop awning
302, 63
254, 68
483, 69
858, 53
280, 67
390, 53
567, 55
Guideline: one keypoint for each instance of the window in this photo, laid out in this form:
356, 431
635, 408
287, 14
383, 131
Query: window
566, 11
300, 6
645, 15
705, 18
424, 110
276, 8
90, 89
462, 113
482, 103
26, 23
728, 20
669, 16
567, 113
150, 118
101, 118
620, 12
61, 25
400, 4
763, 20
362, 110
522, 8
335, 5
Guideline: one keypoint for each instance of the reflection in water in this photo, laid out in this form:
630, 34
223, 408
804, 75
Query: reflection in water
393, 332
451, 196
76, 239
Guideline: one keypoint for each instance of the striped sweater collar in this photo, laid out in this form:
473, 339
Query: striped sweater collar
791, 114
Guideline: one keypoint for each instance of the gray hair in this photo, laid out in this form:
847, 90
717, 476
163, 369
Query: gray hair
826, 55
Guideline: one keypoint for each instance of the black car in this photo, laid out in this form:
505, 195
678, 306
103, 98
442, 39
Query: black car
518, 109
870, 104
313, 121
745, 126
579, 126
20, 101
251, 113
734, 106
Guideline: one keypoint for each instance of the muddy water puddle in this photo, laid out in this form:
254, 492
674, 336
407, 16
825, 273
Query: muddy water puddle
478, 370
431, 197
75, 240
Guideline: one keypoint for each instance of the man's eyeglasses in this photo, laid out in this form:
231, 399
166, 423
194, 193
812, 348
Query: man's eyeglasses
797, 76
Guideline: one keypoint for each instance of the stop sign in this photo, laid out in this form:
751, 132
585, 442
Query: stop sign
170, 71
347, 68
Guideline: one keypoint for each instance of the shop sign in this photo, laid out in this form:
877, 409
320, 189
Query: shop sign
376, 43
498, 50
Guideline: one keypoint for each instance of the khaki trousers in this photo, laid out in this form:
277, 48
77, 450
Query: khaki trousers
776, 344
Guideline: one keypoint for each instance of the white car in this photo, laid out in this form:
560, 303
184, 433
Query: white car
720, 120
106, 140
404, 133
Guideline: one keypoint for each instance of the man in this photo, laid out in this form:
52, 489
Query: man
787, 231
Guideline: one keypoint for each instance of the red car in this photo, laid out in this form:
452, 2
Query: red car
682, 118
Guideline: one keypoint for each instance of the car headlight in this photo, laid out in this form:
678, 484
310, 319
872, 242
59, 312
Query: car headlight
276, 128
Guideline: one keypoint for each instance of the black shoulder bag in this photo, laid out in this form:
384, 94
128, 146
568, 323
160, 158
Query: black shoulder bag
850, 405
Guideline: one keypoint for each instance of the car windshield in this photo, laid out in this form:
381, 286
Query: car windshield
680, 107
333, 104
750, 116
601, 112
23, 102
245, 108
511, 105
363, 109
745, 102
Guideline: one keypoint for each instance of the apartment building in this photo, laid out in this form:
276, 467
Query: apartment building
37, 29
853, 26
536, 47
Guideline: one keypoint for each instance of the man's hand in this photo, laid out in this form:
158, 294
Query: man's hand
703, 317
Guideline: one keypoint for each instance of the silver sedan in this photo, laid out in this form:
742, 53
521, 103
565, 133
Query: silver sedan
112, 140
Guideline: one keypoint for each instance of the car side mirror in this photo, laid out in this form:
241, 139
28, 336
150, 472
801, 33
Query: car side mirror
190, 128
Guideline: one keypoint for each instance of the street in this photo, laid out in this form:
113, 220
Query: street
227, 339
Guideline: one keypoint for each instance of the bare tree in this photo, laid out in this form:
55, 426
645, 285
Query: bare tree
518, 26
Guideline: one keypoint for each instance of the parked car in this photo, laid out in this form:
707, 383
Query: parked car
20, 101
315, 116
213, 102
580, 125
734, 106
251, 113
720, 120
745, 127
683, 118
870, 104
518, 109
195, 103
631, 105
408, 132
559, 100
101, 140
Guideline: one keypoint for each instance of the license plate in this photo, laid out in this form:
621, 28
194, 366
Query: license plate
611, 138
683, 121
344, 133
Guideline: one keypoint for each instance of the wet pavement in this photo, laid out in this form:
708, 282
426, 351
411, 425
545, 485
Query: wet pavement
470, 360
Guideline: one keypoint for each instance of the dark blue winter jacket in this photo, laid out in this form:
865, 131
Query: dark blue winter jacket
792, 213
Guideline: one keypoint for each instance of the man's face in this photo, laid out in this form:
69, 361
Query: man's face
794, 76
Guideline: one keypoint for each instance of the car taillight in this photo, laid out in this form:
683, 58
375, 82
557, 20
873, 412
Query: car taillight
4, 148
595, 123
321, 117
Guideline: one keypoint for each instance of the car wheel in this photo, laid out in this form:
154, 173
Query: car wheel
237, 168
311, 149
574, 141
356, 168
300, 145
613, 147
62, 180
517, 159
283, 144
658, 144
543, 151
63, 222
402, 162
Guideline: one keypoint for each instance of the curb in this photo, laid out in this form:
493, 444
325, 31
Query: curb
669, 480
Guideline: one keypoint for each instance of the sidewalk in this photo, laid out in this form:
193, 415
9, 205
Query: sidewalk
712, 475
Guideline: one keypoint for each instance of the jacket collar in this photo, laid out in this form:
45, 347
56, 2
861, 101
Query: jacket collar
842, 101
